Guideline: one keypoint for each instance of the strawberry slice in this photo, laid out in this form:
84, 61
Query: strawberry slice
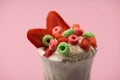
35, 36
54, 19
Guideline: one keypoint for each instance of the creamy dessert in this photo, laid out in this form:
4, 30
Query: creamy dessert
66, 51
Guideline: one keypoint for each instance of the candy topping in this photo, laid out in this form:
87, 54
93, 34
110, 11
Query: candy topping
53, 44
48, 53
68, 32
85, 44
63, 48
63, 39
46, 39
76, 26
93, 42
56, 30
73, 39
88, 34
59, 35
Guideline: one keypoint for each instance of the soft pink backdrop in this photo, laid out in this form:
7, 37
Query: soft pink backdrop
18, 57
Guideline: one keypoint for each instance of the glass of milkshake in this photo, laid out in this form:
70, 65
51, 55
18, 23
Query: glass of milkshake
76, 70
66, 52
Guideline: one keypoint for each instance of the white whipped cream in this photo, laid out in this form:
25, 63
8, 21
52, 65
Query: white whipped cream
76, 54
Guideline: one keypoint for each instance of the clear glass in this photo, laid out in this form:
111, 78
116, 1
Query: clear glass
69, 71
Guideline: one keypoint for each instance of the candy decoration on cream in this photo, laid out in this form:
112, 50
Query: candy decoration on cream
93, 42
76, 26
57, 36
63, 39
88, 34
46, 39
63, 48
56, 30
77, 30
85, 44
68, 32
48, 53
73, 39
53, 44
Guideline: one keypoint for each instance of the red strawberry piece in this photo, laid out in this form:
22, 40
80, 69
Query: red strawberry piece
54, 19
48, 53
93, 42
35, 36
85, 44
73, 39
63, 39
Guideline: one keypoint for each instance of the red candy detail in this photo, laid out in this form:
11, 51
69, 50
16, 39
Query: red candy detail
48, 53
85, 44
79, 32
56, 30
53, 45
93, 42
73, 39
57, 36
62, 40
76, 26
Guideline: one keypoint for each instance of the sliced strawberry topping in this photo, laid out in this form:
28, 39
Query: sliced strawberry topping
54, 19
35, 36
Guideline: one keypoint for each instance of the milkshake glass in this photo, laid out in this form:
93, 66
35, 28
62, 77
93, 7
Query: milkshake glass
66, 71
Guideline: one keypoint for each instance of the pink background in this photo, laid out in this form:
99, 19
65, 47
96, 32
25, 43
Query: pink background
18, 57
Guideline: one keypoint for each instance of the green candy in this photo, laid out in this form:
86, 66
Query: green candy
88, 34
46, 39
68, 32
63, 48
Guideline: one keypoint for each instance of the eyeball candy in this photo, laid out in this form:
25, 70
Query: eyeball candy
88, 34
73, 39
68, 32
63, 48
53, 44
56, 30
46, 39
